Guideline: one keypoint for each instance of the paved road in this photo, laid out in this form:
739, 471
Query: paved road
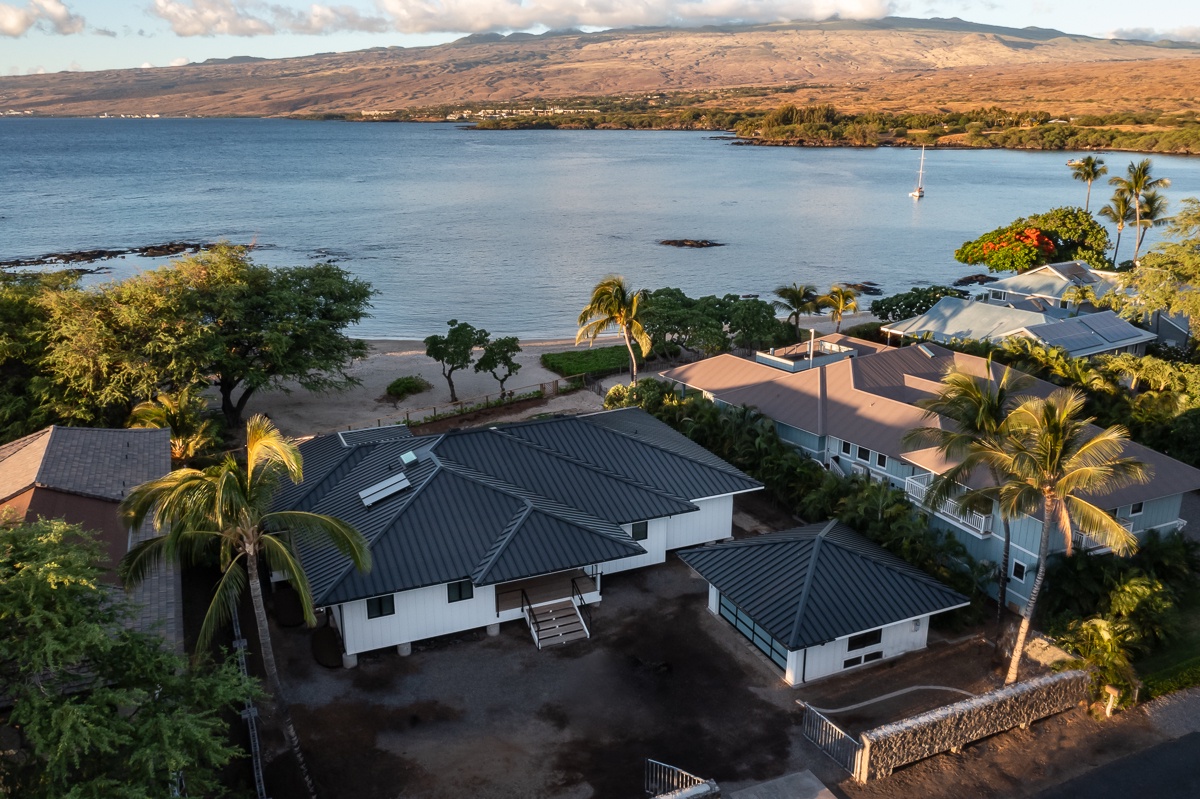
1168, 771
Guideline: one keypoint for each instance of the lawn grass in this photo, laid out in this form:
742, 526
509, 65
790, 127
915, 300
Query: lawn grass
596, 361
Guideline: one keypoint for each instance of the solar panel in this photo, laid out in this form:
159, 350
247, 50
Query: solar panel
1070, 334
1109, 326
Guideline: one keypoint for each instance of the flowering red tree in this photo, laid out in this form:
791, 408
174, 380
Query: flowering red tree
1062, 234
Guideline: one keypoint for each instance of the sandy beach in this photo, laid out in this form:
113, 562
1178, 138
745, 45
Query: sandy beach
299, 412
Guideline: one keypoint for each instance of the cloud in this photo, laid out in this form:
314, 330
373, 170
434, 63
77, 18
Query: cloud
1190, 34
210, 18
426, 16
179, 62
46, 14
249, 18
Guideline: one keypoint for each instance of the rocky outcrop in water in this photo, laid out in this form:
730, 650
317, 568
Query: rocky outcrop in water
690, 243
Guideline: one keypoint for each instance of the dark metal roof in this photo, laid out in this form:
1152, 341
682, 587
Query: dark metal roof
815, 584
374, 435
497, 504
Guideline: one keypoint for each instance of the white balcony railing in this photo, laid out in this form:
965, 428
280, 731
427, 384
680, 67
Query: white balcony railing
1082, 542
918, 486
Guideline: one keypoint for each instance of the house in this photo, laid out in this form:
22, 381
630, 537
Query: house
81, 475
1054, 288
474, 528
852, 416
820, 600
955, 319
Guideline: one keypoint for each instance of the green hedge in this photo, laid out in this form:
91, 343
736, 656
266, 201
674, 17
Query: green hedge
406, 386
595, 361
1177, 678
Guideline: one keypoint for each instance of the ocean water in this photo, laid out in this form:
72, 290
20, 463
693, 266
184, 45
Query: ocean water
509, 230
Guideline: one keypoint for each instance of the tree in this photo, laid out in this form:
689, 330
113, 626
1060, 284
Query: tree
223, 510
214, 317
23, 325
753, 323
1153, 210
797, 300
615, 305
1088, 169
455, 349
1060, 234
840, 301
1134, 185
1166, 278
497, 358
182, 413
1047, 456
913, 302
977, 407
101, 710
1120, 212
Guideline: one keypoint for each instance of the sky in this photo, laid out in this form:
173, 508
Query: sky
56, 35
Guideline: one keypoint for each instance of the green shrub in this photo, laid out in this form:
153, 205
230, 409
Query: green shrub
868, 331
404, 387
595, 361
1184, 675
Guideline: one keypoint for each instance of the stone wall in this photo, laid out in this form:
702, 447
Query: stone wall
952, 726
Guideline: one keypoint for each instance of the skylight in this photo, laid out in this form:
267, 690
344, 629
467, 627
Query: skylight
384, 489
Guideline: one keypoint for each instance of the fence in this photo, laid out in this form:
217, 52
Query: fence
429, 413
668, 781
832, 739
250, 712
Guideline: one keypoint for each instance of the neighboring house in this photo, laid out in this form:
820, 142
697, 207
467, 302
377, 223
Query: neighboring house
81, 475
821, 599
852, 415
817, 352
954, 319
476, 527
1053, 288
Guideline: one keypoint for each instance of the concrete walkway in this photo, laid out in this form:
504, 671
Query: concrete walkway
799, 785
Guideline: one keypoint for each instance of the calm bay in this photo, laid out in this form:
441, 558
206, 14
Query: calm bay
509, 230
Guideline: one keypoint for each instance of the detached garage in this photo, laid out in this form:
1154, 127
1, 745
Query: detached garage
821, 599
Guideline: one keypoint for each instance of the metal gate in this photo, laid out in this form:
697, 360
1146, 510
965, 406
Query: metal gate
833, 740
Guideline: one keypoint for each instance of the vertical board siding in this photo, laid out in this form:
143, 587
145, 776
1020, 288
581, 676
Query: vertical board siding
827, 659
713, 522
420, 613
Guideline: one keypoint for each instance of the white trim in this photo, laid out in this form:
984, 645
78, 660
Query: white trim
715, 496
1012, 570
885, 626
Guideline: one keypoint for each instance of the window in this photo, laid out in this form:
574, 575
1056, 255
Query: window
845, 447
757, 635
641, 530
849, 662
1136, 509
460, 591
864, 454
870, 656
999, 295
381, 606
1018, 571
864, 640
1063, 304
881, 460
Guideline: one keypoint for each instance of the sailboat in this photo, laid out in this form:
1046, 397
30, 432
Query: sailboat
919, 192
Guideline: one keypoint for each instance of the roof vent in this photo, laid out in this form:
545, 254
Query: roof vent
928, 353
384, 489
409, 458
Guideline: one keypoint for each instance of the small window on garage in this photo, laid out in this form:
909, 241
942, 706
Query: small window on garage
381, 606
641, 531
870, 656
851, 662
864, 640
457, 592
1018, 571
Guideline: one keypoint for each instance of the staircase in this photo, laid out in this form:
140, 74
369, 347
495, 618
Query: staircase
556, 623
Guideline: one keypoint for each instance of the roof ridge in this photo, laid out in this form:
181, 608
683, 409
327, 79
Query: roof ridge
802, 605
731, 470
501, 543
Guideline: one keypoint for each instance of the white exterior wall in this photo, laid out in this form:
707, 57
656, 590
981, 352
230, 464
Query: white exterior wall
420, 613
713, 522
821, 661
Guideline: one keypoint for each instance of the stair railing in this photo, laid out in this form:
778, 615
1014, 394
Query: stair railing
585, 612
531, 617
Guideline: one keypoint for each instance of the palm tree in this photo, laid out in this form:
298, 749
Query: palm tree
1120, 212
1079, 294
614, 305
1088, 169
224, 509
1135, 184
183, 414
1047, 456
978, 407
797, 299
840, 301
1153, 210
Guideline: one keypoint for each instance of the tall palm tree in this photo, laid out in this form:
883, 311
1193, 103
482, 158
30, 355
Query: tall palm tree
797, 300
615, 305
1135, 184
1088, 169
1120, 212
1153, 210
183, 414
978, 407
1047, 456
840, 301
225, 509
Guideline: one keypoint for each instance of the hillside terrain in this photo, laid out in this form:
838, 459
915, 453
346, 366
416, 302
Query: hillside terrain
891, 63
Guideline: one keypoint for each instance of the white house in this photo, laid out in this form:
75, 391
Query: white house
852, 415
473, 528
820, 600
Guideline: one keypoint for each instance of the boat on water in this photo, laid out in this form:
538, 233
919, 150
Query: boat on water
919, 191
